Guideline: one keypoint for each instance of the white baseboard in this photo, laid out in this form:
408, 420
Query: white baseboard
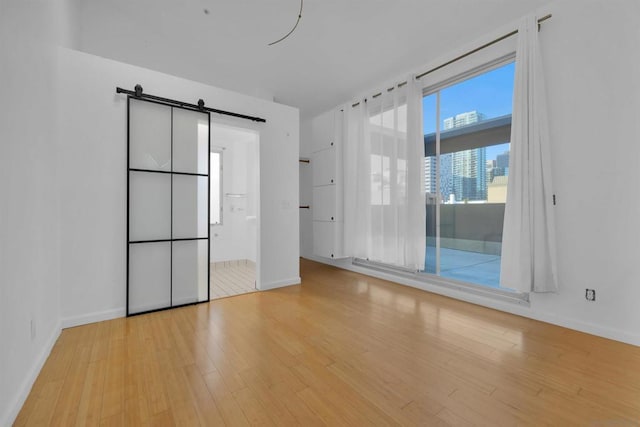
588, 328
280, 283
529, 312
70, 322
30, 379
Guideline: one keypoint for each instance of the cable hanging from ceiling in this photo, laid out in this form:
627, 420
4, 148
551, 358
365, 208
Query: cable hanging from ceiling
294, 27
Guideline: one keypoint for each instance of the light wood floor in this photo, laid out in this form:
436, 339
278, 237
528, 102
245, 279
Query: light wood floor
229, 278
341, 349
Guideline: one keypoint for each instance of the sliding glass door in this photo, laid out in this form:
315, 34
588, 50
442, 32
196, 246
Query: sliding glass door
168, 206
467, 127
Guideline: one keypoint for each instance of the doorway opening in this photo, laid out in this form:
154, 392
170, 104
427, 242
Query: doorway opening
234, 210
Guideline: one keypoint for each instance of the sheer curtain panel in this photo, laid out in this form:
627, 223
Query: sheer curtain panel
384, 194
528, 246
357, 182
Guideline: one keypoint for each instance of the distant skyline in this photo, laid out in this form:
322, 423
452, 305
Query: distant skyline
490, 94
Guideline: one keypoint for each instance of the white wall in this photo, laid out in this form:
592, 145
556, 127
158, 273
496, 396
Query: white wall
29, 235
592, 68
92, 164
253, 199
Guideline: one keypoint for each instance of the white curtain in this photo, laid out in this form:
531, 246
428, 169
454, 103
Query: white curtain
528, 243
383, 165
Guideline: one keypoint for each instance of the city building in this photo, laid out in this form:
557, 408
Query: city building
462, 119
502, 161
467, 173
446, 176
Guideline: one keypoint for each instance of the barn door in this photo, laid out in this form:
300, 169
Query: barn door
167, 206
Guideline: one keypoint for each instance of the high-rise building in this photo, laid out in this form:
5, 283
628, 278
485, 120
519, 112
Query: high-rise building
430, 175
469, 174
491, 165
462, 119
446, 175
469, 167
463, 174
502, 160
502, 164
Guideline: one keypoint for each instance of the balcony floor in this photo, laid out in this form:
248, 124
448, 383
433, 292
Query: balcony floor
471, 267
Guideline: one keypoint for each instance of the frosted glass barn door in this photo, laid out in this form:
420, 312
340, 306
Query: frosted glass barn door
168, 207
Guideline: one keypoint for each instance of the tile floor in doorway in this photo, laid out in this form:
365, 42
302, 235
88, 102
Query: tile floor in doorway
229, 278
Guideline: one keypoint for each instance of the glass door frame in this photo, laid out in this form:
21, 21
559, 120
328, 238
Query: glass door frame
436, 89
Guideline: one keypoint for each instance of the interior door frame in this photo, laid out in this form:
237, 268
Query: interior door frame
256, 130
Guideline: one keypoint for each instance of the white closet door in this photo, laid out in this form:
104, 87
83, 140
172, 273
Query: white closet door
324, 204
323, 163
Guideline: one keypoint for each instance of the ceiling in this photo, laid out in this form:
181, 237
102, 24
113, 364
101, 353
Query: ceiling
340, 49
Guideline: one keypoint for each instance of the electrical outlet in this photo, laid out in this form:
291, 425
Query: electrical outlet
33, 329
590, 294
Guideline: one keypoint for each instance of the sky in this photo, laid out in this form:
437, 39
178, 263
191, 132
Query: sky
490, 93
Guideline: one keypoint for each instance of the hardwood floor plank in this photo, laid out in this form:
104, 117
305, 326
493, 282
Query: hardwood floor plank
90, 405
205, 405
484, 407
67, 406
423, 413
254, 411
453, 419
323, 411
349, 403
226, 403
303, 414
45, 406
272, 398
114, 387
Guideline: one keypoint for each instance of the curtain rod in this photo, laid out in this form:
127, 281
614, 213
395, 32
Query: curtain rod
464, 55
471, 52
199, 107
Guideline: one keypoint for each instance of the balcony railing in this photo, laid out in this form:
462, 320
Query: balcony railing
473, 227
